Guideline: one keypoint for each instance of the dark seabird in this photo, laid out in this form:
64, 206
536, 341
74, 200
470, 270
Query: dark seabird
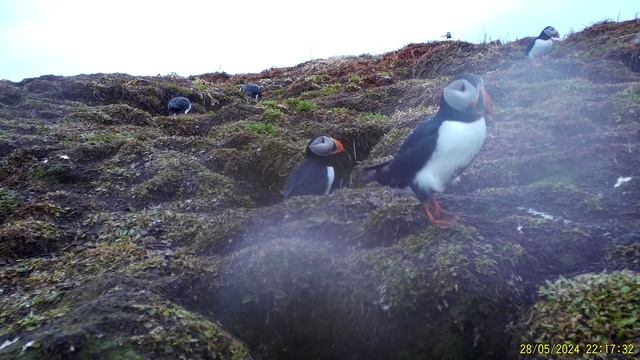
252, 91
179, 105
315, 175
447, 35
441, 147
543, 44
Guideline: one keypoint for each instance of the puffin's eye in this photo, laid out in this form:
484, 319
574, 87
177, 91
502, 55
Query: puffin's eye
463, 88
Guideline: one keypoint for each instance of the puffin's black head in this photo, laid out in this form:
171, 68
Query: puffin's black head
466, 94
323, 146
548, 33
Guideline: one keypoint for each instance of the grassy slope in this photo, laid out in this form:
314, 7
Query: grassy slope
130, 234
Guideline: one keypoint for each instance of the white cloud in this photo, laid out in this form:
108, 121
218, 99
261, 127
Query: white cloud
191, 37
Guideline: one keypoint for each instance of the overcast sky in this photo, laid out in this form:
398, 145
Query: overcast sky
68, 37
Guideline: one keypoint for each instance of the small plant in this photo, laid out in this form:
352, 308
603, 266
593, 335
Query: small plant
302, 105
101, 139
273, 113
317, 78
631, 94
354, 82
373, 117
200, 85
339, 110
8, 201
261, 128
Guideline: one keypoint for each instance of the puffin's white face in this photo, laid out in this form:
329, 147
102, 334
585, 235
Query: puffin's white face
551, 32
461, 95
322, 145
325, 145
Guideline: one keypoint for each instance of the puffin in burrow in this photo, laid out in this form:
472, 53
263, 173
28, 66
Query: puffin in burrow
179, 105
252, 91
440, 147
315, 175
543, 44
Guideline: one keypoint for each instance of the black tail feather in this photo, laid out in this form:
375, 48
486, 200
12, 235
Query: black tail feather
374, 173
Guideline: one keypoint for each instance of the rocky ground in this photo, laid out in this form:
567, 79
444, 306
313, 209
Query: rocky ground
129, 234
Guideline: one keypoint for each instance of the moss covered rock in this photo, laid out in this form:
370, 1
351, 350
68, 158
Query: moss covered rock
588, 309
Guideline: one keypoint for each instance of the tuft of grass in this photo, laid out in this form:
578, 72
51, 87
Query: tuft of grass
339, 110
8, 201
300, 105
354, 82
316, 78
273, 113
200, 85
261, 128
373, 117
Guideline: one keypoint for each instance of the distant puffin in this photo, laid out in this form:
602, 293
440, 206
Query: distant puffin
179, 105
253, 91
441, 147
543, 44
447, 35
315, 175
635, 42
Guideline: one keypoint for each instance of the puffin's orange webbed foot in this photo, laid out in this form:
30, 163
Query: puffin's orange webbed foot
435, 220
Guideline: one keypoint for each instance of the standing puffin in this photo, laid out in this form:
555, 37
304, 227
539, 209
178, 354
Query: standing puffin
179, 105
543, 44
315, 175
441, 147
253, 91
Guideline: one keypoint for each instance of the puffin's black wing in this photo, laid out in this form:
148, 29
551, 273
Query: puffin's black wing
411, 157
530, 46
309, 178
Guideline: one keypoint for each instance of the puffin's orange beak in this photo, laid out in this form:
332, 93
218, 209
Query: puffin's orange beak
488, 103
339, 147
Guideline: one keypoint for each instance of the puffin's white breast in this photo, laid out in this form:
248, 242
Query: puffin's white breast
458, 143
330, 178
540, 48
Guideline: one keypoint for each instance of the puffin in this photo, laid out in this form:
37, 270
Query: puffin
315, 175
447, 35
542, 45
440, 147
179, 105
253, 91
635, 42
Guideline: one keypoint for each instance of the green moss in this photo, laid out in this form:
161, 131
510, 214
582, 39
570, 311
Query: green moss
317, 78
300, 105
27, 237
200, 85
590, 308
261, 128
374, 117
354, 82
33, 321
273, 113
177, 90
175, 176
8, 201
103, 138
339, 110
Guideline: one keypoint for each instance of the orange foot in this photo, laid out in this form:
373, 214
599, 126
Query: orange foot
435, 220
